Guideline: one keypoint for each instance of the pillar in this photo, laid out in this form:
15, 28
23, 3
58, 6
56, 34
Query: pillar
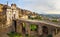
27, 28
56, 30
19, 27
39, 30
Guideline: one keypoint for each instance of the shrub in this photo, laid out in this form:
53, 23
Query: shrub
13, 34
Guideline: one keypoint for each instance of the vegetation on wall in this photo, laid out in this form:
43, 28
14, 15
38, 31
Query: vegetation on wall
13, 34
33, 27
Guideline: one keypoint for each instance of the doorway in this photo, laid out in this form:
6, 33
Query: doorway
14, 24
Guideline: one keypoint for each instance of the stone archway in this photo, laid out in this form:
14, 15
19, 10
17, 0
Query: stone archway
34, 29
44, 30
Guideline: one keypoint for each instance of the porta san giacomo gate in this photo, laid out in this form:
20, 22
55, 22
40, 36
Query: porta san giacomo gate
12, 14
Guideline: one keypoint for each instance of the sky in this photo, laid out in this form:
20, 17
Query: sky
38, 6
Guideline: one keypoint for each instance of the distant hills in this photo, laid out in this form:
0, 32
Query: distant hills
57, 16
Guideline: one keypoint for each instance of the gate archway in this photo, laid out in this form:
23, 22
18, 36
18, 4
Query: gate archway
14, 22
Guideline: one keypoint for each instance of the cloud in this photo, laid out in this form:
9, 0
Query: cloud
46, 6
39, 6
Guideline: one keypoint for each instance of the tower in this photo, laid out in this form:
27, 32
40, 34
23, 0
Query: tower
14, 11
